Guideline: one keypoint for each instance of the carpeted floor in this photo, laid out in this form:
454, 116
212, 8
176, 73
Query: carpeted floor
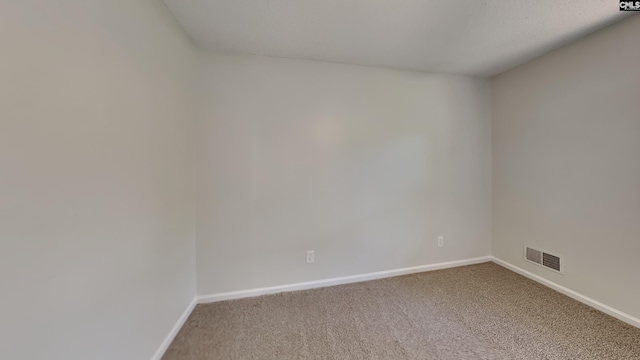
475, 312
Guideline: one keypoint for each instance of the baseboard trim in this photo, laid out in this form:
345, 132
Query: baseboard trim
174, 331
337, 281
570, 293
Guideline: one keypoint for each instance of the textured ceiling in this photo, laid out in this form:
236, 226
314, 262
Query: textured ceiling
471, 37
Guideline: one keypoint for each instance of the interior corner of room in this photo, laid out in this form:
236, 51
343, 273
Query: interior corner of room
142, 173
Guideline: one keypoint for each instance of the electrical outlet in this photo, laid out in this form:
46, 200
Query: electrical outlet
440, 241
311, 257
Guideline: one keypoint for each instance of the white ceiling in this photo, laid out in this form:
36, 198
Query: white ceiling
471, 37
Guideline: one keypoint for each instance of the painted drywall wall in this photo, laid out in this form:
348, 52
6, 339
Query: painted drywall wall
97, 229
365, 166
566, 164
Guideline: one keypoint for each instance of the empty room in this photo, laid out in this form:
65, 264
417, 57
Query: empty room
319, 179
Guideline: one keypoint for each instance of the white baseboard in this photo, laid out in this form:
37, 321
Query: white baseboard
572, 294
337, 281
174, 331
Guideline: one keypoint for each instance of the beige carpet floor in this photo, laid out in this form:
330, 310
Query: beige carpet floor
475, 312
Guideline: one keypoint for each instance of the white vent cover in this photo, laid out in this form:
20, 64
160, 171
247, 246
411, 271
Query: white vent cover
544, 259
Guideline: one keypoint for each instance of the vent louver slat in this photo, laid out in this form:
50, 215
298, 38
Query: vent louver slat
551, 261
534, 255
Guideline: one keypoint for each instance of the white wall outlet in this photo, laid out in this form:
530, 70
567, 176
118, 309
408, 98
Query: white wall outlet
311, 257
440, 241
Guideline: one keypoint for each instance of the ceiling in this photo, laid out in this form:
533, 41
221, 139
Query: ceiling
470, 37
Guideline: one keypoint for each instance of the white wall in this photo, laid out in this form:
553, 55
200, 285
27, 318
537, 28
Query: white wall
566, 154
97, 248
365, 166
